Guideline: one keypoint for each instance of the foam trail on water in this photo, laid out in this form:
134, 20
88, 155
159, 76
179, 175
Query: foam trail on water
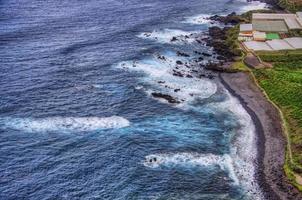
191, 160
183, 159
65, 124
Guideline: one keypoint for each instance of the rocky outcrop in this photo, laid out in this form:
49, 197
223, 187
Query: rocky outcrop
217, 40
231, 19
167, 97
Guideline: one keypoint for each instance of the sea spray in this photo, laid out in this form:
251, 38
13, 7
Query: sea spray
243, 151
160, 75
65, 124
186, 159
203, 19
170, 36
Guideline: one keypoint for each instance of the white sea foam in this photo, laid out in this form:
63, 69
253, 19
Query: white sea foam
253, 5
159, 74
166, 36
240, 163
205, 18
199, 19
177, 159
243, 148
65, 123
191, 160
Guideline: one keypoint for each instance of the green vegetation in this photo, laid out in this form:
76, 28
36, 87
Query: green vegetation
295, 33
233, 44
281, 56
283, 85
272, 36
291, 5
239, 66
232, 40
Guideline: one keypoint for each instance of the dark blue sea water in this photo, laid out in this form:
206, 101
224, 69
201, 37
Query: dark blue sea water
77, 118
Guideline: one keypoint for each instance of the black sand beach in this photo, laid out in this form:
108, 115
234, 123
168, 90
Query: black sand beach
271, 139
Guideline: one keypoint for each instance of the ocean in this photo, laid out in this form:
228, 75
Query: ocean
77, 116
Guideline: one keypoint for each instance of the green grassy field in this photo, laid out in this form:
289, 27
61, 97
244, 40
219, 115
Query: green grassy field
283, 85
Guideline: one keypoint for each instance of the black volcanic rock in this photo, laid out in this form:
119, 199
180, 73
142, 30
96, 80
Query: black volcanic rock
217, 41
206, 54
179, 62
174, 39
182, 54
161, 57
176, 73
167, 97
232, 19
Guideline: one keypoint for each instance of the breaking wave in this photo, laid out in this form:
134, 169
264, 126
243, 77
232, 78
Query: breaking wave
65, 124
243, 150
160, 74
199, 19
169, 36
253, 5
191, 160
159, 71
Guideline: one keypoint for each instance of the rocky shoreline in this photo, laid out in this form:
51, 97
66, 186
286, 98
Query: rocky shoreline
271, 141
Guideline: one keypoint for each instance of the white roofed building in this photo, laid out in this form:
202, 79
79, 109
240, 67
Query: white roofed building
292, 21
246, 28
295, 42
278, 44
259, 36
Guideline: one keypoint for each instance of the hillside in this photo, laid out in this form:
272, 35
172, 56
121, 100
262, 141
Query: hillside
292, 5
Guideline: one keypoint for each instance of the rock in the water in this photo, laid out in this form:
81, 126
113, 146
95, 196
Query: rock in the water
176, 73
161, 57
206, 54
167, 97
210, 76
182, 54
174, 39
232, 19
221, 58
179, 62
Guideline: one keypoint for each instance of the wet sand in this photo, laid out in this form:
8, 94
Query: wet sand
271, 140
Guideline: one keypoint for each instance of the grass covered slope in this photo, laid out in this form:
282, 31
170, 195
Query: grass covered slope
283, 85
291, 5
